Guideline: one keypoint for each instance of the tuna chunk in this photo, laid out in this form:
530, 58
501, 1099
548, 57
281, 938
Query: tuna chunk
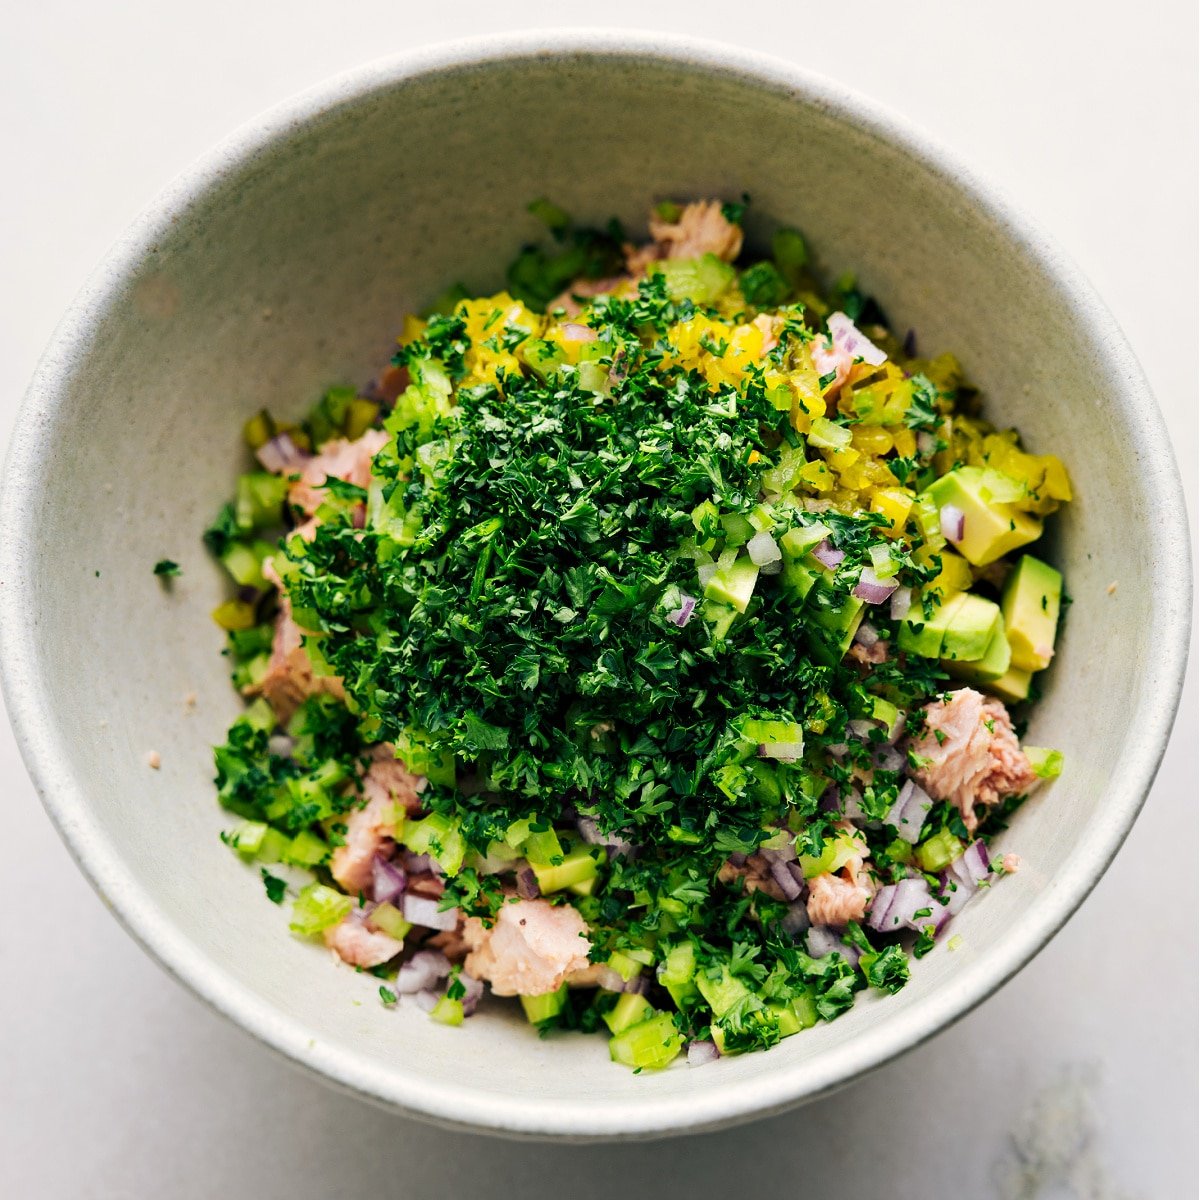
290, 679
531, 948
973, 757
841, 898
586, 289
829, 358
356, 943
701, 229
387, 784
350, 461
755, 874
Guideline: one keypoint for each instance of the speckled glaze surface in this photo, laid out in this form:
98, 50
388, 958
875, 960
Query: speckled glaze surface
283, 263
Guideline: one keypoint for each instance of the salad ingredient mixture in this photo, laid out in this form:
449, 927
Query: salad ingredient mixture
638, 644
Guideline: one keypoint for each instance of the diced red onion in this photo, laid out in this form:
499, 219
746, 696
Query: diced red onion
823, 941
281, 745
907, 815
851, 804
639, 985
954, 522
699, 1054
901, 603
784, 853
861, 729
872, 589
616, 845
421, 972
280, 454
420, 864
785, 880
850, 338
388, 881
896, 731
973, 866
867, 634
578, 333
427, 1001
827, 556
795, 920
737, 859
896, 905
420, 910
926, 444
772, 568
762, 549
838, 749
888, 758
705, 572
784, 751
248, 594
527, 884
683, 614
472, 992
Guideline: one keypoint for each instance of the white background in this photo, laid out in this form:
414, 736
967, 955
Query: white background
1078, 1080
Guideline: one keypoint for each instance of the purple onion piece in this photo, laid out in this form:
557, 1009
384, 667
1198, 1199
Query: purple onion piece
427, 1000
590, 832
901, 603
388, 881
872, 589
527, 884
281, 745
867, 634
888, 758
786, 881
419, 864
895, 907
737, 859
699, 1054
851, 804
248, 594
897, 729
472, 992
795, 920
953, 522
280, 454
421, 972
421, 910
683, 614
823, 941
827, 556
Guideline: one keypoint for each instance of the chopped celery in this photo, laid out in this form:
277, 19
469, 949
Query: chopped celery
234, 614
625, 965
245, 563
580, 864
545, 1007
828, 436
439, 836
629, 1009
388, 919
317, 908
936, 853
722, 993
652, 1043
360, 416
701, 280
259, 502
1047, 764
306, 850
542, 847
447, 1012
248, 837
273, 847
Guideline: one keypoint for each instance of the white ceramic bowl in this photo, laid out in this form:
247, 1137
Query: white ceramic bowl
283, 263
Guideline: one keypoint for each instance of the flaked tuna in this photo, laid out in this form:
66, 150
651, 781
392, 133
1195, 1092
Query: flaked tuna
530, 949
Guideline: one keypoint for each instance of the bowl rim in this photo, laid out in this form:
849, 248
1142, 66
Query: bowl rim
457, 1104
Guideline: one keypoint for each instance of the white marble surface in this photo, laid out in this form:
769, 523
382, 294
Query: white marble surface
1078, 1080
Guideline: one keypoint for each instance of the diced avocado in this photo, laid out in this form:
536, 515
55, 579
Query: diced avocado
651, 1043
798, 577
677, 972
579, 865
785, 1017
972, 627
1030, 603
1012, 686
738, 530
719, 617
701, 280
922, 636
800, 539
805, 1009
836, 621
629, 1009
991, 527
389, 919
993, 665
545, 1007
733, 585
721, 993
625, 965
1047, 764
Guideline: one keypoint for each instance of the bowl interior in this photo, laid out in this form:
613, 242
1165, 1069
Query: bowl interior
287, 268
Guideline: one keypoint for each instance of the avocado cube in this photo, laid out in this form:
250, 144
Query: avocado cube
972, 627
1012, 686
922, 636
991, 527
798, 577
651, 1043
1030, 604
723, 993
629, 1009
578, 866
993, 665
734, 585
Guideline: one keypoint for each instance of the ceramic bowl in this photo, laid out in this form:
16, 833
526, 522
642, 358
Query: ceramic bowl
283, 264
